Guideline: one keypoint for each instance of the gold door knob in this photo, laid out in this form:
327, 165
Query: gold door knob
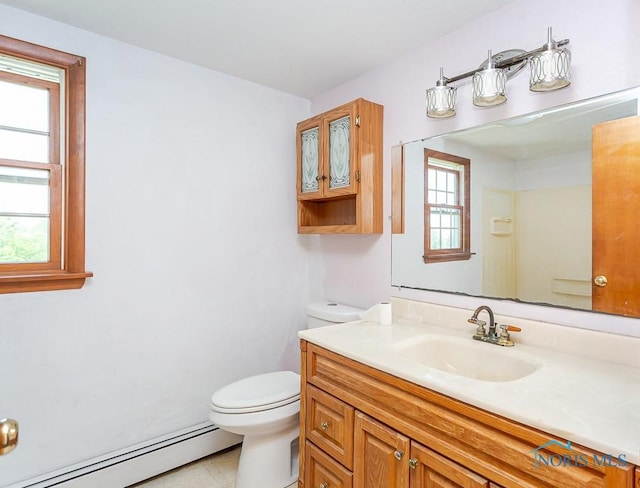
398, 455
324, 425
8, 436
324, 484
600, 280
413, 463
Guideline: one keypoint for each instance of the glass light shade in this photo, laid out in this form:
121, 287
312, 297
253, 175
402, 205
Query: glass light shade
489, 87
441, 102
550, 70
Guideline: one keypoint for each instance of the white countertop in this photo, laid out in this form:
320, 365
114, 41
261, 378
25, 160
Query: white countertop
587, 401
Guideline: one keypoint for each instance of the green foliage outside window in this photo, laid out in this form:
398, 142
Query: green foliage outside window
23, 240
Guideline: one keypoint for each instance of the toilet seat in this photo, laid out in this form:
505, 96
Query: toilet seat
258, 393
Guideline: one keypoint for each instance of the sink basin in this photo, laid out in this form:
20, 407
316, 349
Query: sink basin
467, 358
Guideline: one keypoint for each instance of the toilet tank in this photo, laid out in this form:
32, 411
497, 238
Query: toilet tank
320, 314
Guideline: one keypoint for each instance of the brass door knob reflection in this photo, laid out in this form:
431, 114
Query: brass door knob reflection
8, 436
600, 280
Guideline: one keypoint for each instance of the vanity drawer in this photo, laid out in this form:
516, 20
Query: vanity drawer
322, 471
329, 425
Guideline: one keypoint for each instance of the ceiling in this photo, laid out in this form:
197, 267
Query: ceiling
552, 132
301, 47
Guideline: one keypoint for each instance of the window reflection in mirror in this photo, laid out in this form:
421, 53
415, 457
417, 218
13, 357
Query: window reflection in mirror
447, 209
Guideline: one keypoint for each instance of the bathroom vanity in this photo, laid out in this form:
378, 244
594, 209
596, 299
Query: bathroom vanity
379, 410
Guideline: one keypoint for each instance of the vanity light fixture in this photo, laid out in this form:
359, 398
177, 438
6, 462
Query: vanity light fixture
550, 70
441, 99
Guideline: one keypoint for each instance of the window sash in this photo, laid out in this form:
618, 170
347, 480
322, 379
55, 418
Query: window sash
436, 189
440, 227
54, 261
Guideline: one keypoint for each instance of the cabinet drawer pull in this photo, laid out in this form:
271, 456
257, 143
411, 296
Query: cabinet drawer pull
413, 463
324, 484
398, 455
324, 425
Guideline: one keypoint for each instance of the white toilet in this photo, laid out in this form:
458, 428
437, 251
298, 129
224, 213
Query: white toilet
265, 409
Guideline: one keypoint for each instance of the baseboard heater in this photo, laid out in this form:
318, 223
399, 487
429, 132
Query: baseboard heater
140, 462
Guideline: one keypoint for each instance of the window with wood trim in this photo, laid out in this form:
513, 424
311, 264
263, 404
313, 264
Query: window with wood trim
42, 168
447, 207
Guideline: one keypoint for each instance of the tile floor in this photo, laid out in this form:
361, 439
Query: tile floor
215, 471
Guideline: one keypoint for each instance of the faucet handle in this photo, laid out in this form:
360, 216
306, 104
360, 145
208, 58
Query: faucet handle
510, 328
480, 330
504, 338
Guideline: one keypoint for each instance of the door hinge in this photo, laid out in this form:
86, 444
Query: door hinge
357, 121
358, 175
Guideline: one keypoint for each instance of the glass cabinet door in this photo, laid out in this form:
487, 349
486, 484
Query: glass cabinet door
341, 152
310, 159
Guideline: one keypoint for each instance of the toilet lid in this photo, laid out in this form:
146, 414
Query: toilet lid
257, 393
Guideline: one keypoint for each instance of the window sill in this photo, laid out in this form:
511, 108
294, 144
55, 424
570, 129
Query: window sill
42, 281
442, 258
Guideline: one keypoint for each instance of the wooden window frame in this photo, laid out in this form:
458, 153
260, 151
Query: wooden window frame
68, 270
464, 252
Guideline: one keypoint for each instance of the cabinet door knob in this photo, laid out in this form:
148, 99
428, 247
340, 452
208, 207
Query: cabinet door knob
600, 280
398, 455
324, 484
413, 463
324, 425
8, 436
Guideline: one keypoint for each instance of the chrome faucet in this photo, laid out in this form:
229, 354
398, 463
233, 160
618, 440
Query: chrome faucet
501, 339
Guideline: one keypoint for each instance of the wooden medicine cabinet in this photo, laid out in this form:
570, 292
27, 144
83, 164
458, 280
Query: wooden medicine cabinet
339, 170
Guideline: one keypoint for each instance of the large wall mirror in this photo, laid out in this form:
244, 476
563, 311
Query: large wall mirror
553, 211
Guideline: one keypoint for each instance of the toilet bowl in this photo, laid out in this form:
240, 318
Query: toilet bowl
265, 409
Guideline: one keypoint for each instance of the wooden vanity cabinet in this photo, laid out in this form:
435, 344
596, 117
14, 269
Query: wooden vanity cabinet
339, 170
407, 436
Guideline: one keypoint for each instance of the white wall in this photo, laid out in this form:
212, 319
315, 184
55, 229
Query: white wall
200, 277
558, 171
598, 67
